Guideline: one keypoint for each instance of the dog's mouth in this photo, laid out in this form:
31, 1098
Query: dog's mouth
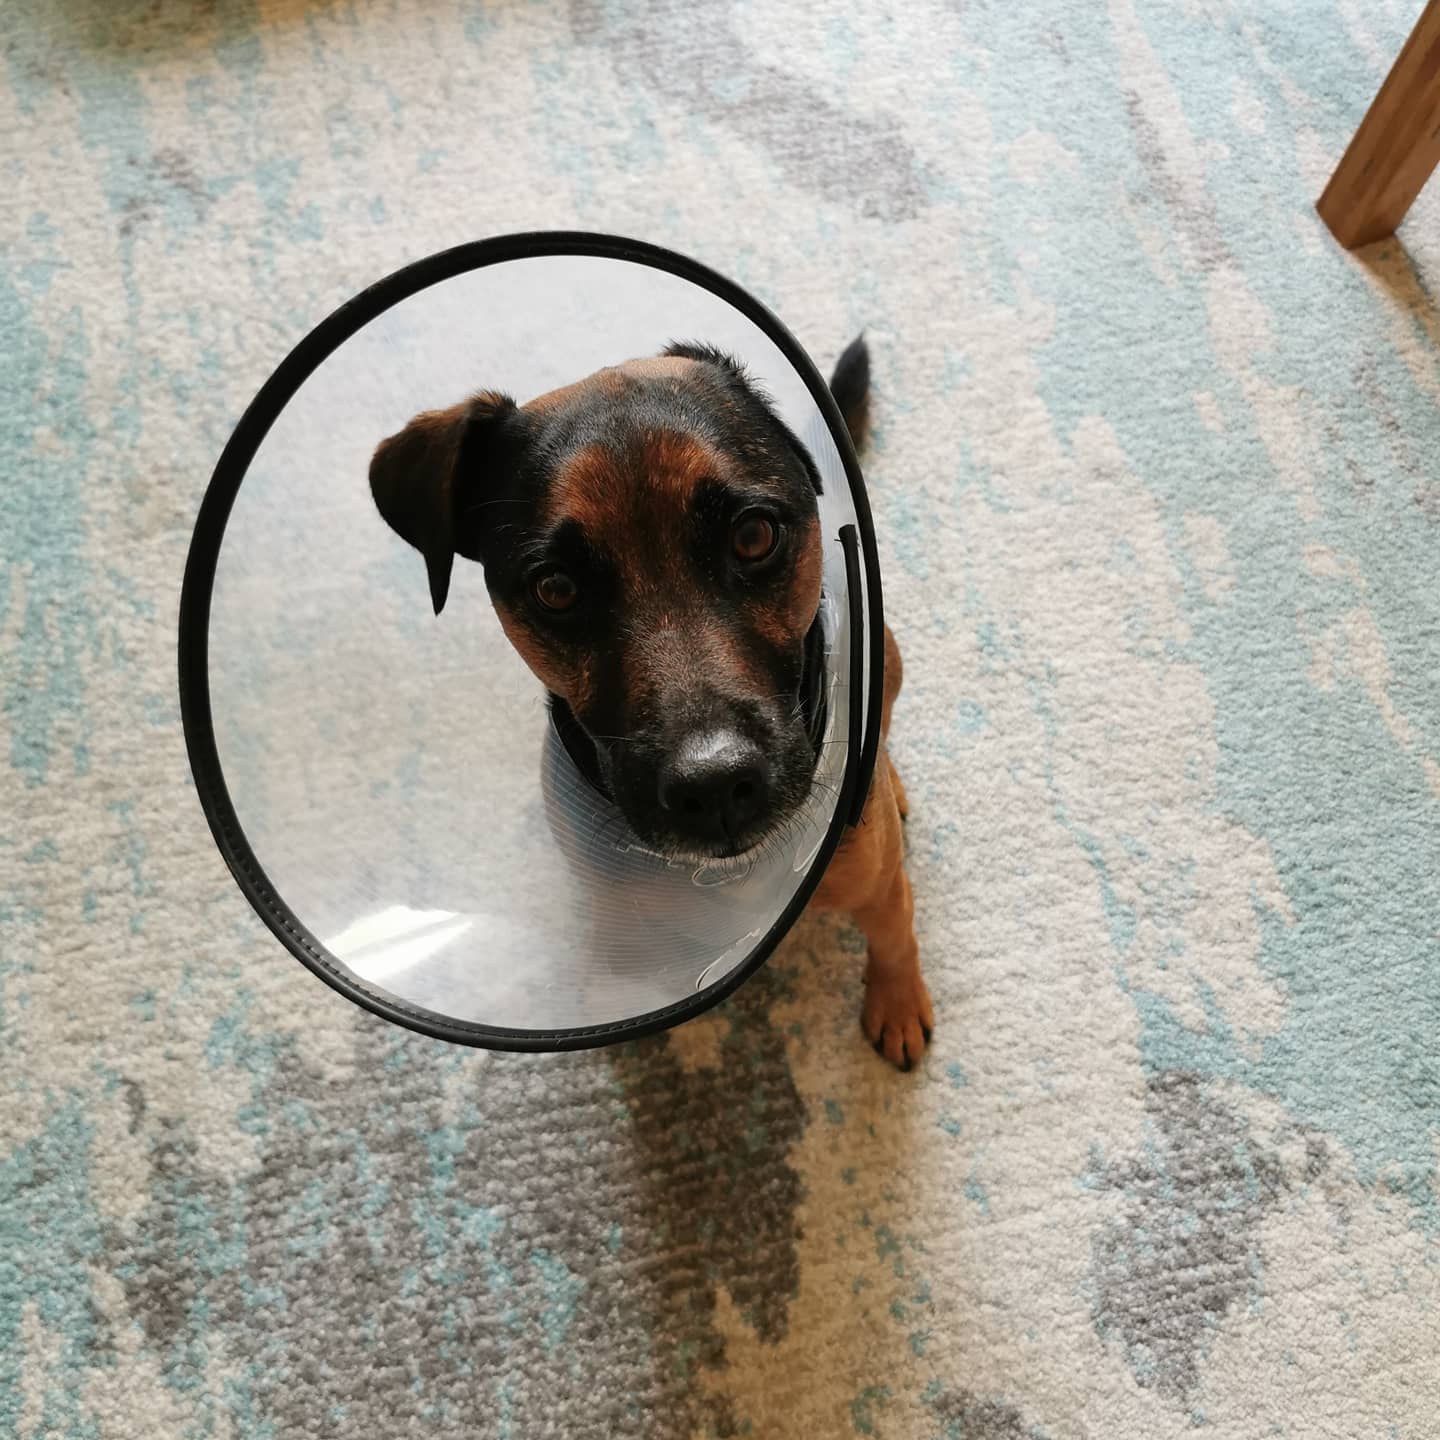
732, 855
737, 858
791, 757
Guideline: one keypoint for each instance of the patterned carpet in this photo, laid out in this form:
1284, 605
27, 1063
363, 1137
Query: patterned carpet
1154, 473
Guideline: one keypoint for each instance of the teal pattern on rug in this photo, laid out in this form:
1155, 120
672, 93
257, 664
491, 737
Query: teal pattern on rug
1154, 472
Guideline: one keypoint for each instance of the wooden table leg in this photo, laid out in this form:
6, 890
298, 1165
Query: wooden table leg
1396, 146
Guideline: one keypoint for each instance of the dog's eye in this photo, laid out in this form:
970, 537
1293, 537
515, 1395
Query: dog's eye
555, 590
753, 537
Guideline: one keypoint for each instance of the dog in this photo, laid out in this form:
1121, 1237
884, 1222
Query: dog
651, 545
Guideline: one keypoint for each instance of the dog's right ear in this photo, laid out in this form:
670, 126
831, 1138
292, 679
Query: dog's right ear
422, 476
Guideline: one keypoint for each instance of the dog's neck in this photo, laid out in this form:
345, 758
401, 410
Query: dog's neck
813, 704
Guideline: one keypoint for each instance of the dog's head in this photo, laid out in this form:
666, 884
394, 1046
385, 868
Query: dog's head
651, 545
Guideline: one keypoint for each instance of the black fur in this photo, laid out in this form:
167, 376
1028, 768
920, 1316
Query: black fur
850, 385
757, 406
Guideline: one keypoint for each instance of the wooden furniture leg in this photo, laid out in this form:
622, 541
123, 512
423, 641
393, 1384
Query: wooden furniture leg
1396, 146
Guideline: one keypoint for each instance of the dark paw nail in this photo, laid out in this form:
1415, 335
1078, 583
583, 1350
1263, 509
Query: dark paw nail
926, 1032
879, 1047
908, 1066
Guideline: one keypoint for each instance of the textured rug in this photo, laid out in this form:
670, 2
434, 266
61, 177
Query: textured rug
1155, 476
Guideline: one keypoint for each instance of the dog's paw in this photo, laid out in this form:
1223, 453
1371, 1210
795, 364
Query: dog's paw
897, 1018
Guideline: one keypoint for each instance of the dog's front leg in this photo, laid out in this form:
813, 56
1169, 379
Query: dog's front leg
897, 1016
867, 878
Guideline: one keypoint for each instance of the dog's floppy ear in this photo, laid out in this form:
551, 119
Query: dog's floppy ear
421, 476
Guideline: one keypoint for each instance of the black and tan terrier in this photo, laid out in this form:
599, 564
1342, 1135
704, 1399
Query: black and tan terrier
651, 543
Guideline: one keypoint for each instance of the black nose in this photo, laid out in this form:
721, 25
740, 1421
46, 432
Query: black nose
714, 784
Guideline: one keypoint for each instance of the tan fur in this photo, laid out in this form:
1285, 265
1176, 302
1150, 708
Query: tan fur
634, 507
592, 490
866, 876
612, 377
782, 620
572, 682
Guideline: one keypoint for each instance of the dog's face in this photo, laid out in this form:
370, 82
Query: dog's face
651, 544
